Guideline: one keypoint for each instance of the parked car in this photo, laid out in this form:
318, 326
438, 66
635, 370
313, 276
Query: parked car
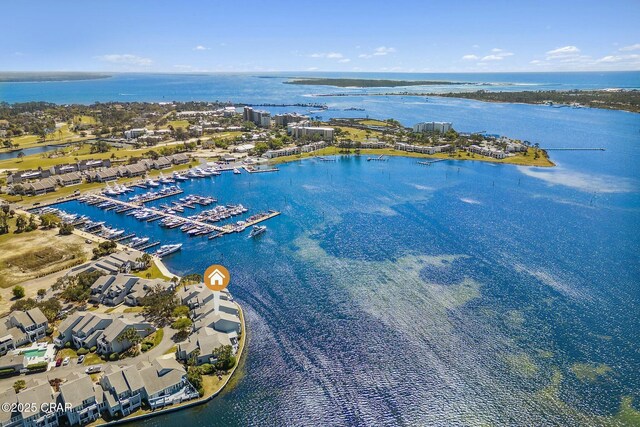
93, 369
59, 362
80, 359
66, 361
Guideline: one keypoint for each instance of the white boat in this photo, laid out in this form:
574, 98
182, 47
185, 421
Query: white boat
165, 250
179, 177
236, 171
152, 183
257, 230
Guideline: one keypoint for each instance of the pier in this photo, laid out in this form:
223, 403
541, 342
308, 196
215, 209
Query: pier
221, 230
430, 162
380, 158
254, 170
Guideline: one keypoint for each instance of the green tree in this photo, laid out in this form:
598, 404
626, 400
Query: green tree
65, 229
49, 220
182, 325
131, 336
159, 304
21, 223
19, 385
181, 311
225, 359
18, 292
42, 292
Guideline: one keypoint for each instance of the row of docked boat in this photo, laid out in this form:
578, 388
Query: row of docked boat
219, 213
65, 217
154, 195
116, 189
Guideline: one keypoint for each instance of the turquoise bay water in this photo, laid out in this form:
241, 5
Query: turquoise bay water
463, 293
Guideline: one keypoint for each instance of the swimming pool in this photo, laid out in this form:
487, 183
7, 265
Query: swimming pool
34, 353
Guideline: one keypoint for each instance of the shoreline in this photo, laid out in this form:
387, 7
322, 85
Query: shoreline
335, 151
206, 398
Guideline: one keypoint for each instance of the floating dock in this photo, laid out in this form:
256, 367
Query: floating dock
430, 162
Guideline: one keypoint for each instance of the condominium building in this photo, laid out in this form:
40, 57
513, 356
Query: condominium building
442, 127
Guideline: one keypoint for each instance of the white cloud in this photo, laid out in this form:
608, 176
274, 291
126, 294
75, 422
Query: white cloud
125, 59
619, 58
475, 46
379, 51
630, 48
470, 57
200, 47
382, 50
344, 60
497, 55
329, 55
563, 52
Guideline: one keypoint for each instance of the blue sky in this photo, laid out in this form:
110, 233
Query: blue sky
248, 35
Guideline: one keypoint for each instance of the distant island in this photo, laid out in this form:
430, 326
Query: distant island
613, 99
18, 77
313, 81
609, 99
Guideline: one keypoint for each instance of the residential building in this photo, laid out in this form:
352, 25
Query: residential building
63, 168
32, 322
112, 290
288, 151
305, 129
86, 399
10, 418
134, 133
201, 345
165, 382
103, 175
43, 186
441, 127
314, 146
123, 390
90, 164
111, 340
162, 163
424, 149
260, 118
70, 178
179, 159
15, 362
119, 262
37, 396
286, 118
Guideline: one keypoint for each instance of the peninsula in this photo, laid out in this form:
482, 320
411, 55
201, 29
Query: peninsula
18, 77
363, 83
609, 99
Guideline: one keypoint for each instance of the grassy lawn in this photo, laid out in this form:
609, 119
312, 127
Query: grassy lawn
92, 359
67, 352
358, 134
28, 255
171, 350
184, 124
133, 310
153, 272
373, 122
518, 159
27, 141
85, 119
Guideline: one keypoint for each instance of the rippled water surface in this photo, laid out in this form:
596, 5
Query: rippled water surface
463, 293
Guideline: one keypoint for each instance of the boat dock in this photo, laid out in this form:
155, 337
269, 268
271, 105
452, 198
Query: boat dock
128, 236
430, 162
380, 158
180, 221
254, 170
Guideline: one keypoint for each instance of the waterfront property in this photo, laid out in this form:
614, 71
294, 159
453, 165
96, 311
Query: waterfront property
424, 149
216, 323
258, 117
22, 327
104, 331
304, 129
440, 127
119, 262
